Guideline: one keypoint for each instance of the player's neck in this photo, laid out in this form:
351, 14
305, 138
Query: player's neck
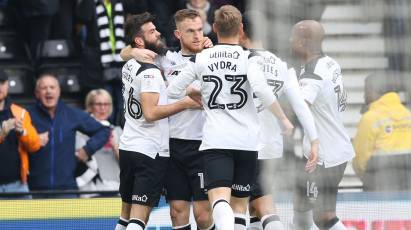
311, 56
229, 40
257, 45
185, 51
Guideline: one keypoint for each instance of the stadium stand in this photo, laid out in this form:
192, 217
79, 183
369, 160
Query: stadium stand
16, 61
60, 57
63, 59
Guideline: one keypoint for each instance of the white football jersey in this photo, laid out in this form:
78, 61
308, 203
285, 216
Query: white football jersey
139, 135
322, 87
231, 116
276, 73
281, 83
187, 124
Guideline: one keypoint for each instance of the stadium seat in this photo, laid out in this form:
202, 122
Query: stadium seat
68, 78
16, 62
63, 49
20, 81
14, 51
60, 57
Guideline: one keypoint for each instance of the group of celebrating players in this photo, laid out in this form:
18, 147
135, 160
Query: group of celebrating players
201, 122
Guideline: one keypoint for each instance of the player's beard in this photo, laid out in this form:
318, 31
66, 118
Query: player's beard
158, 47
191, 48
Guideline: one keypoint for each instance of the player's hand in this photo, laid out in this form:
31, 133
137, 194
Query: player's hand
207, 43
44, 138
143, 55
191, 104
82, 155
287, 127
7, 126
312, 160
194, 94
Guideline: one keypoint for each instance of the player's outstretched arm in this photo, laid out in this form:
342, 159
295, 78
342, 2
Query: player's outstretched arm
142, 55
305, 117
286, 126
153, 112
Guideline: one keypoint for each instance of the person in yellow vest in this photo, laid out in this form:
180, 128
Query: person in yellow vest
383, 140
18, 137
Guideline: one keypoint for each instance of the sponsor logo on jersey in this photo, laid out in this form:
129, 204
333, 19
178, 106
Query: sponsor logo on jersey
138, 198
239, 187
173, 73
148, 76
225, 54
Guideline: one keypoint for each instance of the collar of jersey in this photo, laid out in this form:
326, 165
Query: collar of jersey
227, 44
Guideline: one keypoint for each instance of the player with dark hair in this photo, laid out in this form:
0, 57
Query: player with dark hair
184, 178
144, 142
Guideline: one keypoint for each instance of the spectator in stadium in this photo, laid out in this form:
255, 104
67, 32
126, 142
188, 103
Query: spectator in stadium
18, 137
103, 170
383, 140
104, 38
206, 9
53, 166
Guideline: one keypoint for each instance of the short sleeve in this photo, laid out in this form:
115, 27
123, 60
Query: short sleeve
151, 81
310, 85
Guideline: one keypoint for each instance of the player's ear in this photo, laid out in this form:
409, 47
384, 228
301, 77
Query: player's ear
214, 28
177, 34
139, 41
241, 30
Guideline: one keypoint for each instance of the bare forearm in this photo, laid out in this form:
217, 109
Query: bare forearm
126, 53
277, 111
162, 111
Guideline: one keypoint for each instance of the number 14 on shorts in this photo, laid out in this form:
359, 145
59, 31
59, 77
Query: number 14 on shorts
312, 190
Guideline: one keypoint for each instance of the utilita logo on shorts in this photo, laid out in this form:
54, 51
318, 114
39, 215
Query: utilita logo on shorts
139, 198
239, 187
